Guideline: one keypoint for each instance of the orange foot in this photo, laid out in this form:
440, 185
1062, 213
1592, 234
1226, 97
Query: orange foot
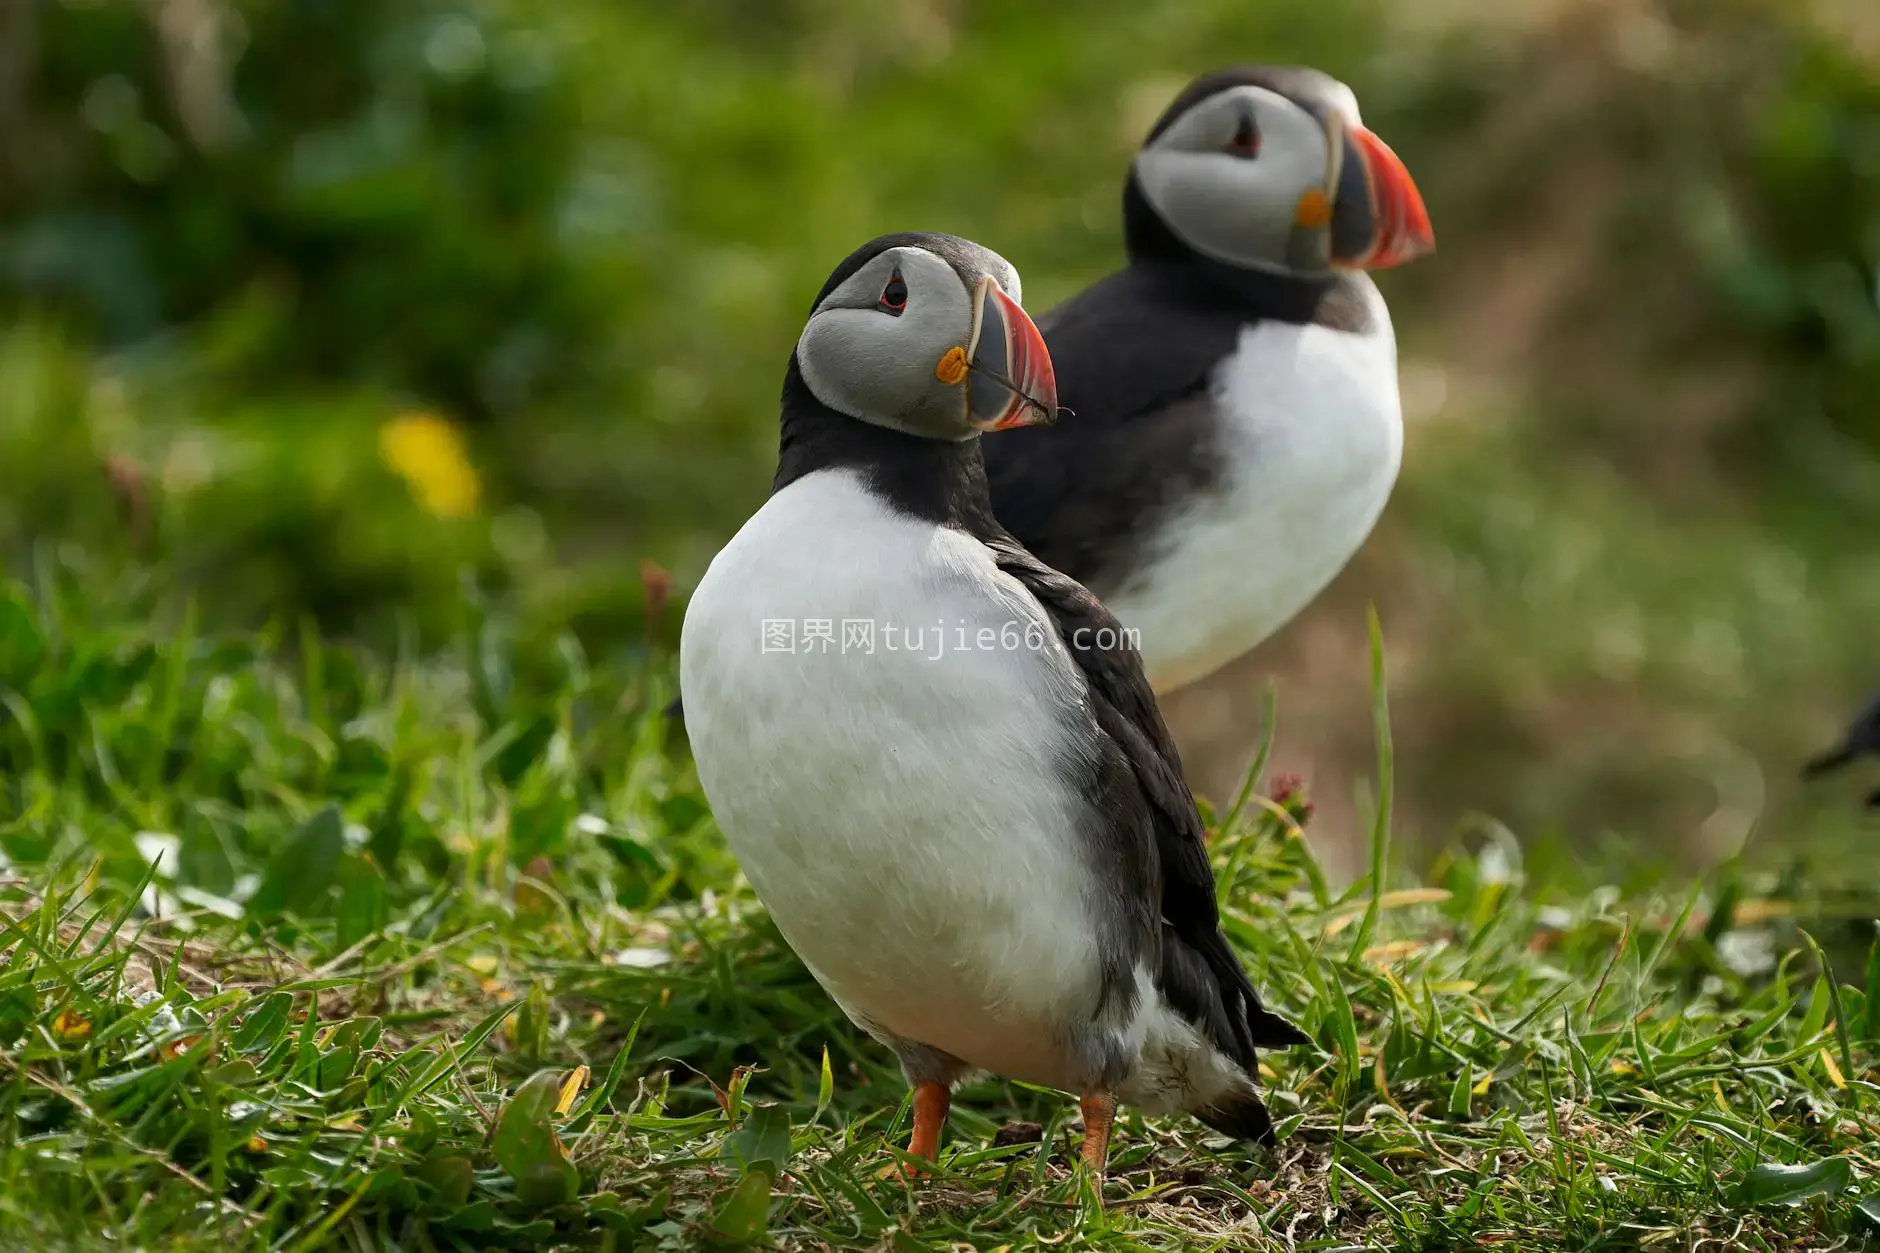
1099, 1116
931, 1102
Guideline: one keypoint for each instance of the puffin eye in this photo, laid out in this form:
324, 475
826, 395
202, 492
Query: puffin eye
893, 296
1246, 141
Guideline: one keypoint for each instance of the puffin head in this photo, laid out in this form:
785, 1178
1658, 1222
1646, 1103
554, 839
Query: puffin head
923, 333
1267, 168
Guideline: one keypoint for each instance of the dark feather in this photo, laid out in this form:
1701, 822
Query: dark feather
1086, 493
1198, 973
1242, 1116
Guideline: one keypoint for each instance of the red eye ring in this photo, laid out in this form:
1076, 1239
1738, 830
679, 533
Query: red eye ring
893, 296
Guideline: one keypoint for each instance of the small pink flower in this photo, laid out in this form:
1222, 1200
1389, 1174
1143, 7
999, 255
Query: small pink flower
1289, 792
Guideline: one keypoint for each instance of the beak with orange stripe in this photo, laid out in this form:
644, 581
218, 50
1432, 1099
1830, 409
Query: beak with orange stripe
1377, 219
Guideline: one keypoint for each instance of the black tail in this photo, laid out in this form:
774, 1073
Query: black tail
1270, 1031
1240, 1114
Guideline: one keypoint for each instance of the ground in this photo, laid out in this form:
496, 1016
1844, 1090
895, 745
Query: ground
307, 948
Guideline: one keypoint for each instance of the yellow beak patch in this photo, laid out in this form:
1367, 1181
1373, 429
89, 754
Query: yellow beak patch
1314, 210
951, 368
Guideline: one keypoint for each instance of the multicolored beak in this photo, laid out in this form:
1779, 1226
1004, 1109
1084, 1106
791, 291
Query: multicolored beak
1378, 218
1009, 381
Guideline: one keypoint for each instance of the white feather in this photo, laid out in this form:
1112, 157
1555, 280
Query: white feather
903, 813
898, 813
1314, 439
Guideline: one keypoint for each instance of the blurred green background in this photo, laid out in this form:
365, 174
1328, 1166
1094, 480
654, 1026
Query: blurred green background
364, 311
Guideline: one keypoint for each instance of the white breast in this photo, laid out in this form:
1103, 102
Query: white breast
1314, 438
900, 811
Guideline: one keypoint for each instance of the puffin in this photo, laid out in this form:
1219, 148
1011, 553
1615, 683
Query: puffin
1232, 425
1861, 740
938, 760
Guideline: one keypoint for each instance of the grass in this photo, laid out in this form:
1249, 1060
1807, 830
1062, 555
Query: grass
305, 948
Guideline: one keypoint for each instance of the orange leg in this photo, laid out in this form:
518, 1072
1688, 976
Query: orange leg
931, 1101
1099, 1116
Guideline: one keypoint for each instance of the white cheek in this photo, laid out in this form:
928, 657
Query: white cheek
865, 364
825, 385
1235, 211
1187, 188
856, 361
1297, 154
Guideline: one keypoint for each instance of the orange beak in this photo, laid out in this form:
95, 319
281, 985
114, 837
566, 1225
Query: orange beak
1010, 380
1379, 220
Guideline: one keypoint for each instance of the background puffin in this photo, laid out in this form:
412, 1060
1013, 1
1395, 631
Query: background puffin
1232, 424
981, 847
1862, 740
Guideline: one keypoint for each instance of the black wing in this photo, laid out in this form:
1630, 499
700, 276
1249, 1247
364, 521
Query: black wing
1199, 974
1083, 494
1134, 343
1862, 740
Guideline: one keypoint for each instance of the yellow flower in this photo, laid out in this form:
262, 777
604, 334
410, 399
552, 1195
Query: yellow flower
69, 1026
428, 453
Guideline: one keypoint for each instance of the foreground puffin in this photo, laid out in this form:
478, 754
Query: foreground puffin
1232, 425
972, 827
1862, 740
